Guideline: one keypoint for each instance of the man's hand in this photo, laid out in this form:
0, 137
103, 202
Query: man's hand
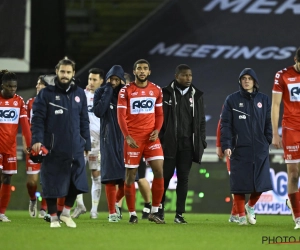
131, 143
228, 152
219, 152
154, 135
276, 141
37, 146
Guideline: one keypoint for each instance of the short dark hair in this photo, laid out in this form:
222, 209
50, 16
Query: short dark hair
41, 79
297, 55
181, 67
139, 62
65, 61
97, 71
127, 77
6, 76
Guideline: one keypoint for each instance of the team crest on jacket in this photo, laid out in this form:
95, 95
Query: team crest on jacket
241, 104
15, 103
77, 99
259, 105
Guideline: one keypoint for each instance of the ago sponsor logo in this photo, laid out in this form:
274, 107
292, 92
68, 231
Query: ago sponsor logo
273, 202
222, 51
263, 7
9, 115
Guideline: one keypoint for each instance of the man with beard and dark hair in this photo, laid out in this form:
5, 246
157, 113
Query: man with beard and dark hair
60, 123
182, 135
140, 117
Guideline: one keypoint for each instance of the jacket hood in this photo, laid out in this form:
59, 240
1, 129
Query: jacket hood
251, 72
50, 80
116, 70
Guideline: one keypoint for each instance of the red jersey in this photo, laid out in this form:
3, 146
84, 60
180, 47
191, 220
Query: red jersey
29, 108
287, 82
140, 110
12, 112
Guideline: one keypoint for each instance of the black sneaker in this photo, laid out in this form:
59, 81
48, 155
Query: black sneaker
180, 219
161, 212
145, 213
155, 217
47, 218
133, 219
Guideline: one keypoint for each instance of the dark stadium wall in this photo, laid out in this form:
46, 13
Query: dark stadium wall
47, 33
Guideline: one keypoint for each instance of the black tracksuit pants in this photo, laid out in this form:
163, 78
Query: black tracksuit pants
182, 163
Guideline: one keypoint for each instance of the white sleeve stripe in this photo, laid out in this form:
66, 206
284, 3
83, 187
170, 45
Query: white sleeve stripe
158, 105
278, 92
122, 107
23, 116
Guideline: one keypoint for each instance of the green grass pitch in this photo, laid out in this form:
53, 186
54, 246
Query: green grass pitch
203, 231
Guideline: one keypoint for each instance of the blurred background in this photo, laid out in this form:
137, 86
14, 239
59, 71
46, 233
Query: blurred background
216, 38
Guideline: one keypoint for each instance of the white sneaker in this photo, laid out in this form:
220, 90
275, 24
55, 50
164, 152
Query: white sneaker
297, 223
78, 211
250, 214
93, 215
234, 218
32, 209
42, 214
242, 221
55, 224
289, 205
68, 220
113, 218
4, 218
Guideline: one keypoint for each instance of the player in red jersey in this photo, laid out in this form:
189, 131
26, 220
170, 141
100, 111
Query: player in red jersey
33, 169
12, 113
234, 216
140, 117
287, 88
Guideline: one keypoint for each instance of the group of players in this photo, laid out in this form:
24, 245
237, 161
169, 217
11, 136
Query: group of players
138, 109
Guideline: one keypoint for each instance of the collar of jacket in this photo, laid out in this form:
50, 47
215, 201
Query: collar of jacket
51, 79
246, 94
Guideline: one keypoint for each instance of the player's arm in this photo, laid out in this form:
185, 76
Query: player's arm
275, 108
121, 115
85, 124
102, 98
159, 117
218, 141
25, 125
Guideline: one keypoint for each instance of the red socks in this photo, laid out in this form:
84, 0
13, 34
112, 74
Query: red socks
157, 191
4, 197
239, 200
129, 191
120, 192
110, 190
295, 202
44, 204
31, 191
233, 209
254, 197
60, 203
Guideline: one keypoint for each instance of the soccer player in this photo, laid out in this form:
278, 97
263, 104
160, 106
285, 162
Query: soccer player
12, 113
60, 123
286, 87
140, 117
183, 136
95, 80
33, 169
246, 134
142, 182
111, 140
234, 216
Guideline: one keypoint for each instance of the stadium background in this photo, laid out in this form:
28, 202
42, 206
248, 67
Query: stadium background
216, 38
